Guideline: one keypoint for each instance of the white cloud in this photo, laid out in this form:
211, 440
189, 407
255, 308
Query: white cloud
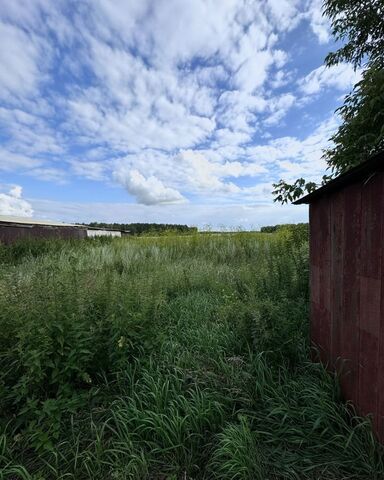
12, 203
292, 157
203, 175
20, 56
253, 71
31, 166
318, 22
148, 191
285, 13
10, 161
49, 174
238, 110
174, 32
157, 100
340, 77
171, 99
279, 107
90, 170
29, 135
24, 12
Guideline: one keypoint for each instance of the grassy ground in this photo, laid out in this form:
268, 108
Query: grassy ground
168, 358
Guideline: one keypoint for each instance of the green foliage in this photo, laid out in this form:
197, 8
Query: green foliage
361, 133
20, 250
299, 230
171, 357
238, 454
360, 26
285, 192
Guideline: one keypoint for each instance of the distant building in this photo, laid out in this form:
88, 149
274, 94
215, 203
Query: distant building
347, 283
102, 232
18, 228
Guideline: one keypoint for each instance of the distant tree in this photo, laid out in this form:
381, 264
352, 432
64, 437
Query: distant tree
360, 25
269, 229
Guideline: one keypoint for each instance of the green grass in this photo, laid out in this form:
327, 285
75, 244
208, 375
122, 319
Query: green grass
169, 358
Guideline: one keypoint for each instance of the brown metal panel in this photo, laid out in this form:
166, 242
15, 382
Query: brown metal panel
325, 278
11, 234
380, 405
320, 296
372, 195
337, 260
370, 295
314, 254
347, 290
349, 334
368, 345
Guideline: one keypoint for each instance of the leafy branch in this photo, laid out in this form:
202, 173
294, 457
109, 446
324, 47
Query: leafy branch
360, 24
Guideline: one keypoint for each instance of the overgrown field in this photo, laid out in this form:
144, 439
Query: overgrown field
168, 358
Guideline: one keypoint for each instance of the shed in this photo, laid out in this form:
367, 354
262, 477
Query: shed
18, 228
347, 283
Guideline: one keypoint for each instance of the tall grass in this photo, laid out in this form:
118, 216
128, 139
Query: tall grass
169, 358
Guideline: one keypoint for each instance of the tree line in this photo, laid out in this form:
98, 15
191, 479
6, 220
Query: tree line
142, 228
302, 227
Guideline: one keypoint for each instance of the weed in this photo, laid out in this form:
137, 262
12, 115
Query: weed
170, 357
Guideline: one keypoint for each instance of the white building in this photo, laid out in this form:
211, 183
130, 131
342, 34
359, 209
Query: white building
101, 232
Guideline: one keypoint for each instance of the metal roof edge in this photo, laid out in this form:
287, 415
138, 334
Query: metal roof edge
372, 164
11, 220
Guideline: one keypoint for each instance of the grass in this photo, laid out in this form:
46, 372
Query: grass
169, 358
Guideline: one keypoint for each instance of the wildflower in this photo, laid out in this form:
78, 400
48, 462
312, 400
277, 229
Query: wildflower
86, 377
121, 342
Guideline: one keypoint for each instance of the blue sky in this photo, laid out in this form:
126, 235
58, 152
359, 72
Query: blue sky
179, 111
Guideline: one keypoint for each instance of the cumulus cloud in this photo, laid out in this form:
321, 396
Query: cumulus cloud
209, 176
148, 191
12, 203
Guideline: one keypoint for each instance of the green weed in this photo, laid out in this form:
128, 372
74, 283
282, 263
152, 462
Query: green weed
172, 357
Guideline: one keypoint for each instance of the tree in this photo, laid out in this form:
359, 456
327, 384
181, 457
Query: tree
360, 25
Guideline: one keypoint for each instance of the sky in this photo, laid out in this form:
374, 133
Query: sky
169, 111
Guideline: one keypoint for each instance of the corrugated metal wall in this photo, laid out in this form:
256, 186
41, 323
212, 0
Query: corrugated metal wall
10, 234
347, 291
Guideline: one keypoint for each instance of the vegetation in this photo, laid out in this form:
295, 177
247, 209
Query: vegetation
143, 228
169, 358
360, 26
300, 229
